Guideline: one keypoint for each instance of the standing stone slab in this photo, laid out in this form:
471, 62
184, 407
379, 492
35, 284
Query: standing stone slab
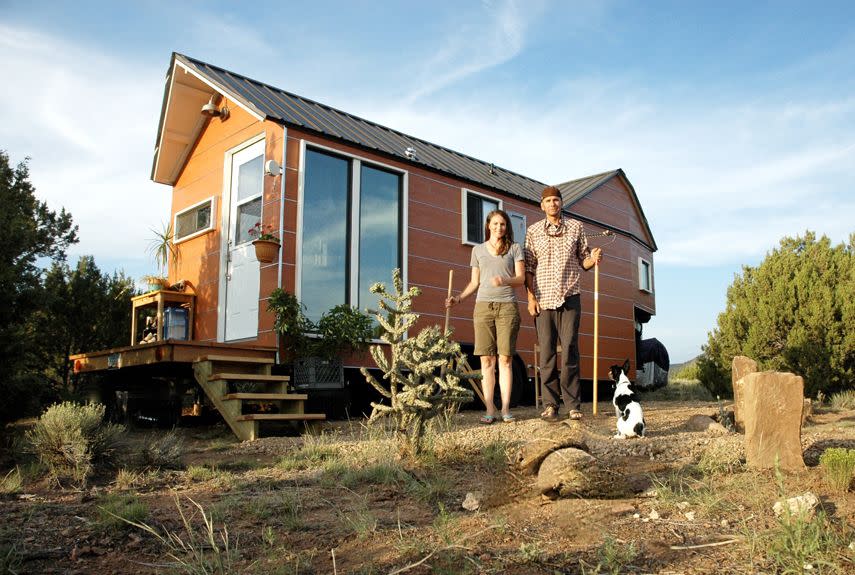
773, 403
740, 367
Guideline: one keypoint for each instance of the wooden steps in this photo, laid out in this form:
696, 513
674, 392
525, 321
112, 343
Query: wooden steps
250, 377
266, 396
246, 394
282, 417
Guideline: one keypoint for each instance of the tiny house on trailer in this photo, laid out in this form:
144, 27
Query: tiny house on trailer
351, 200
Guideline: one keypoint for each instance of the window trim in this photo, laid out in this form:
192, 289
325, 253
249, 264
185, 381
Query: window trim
211, 224
464, 212
643, 265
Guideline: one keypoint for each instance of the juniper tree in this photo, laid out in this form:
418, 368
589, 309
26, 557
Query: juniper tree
423, 373
794, 312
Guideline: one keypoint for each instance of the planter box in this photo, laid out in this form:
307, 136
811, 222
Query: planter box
318, 373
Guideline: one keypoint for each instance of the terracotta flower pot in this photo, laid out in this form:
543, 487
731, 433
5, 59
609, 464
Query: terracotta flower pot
266, 250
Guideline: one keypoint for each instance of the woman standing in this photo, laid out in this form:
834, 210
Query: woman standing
498, 265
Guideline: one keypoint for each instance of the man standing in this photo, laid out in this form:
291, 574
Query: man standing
555, 253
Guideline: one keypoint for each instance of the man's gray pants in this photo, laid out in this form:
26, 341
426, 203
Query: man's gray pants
560, 327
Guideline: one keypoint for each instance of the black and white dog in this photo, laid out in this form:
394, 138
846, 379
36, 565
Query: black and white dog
630, 418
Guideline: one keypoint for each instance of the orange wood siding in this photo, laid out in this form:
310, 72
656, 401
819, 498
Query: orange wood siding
202, 178
434, 242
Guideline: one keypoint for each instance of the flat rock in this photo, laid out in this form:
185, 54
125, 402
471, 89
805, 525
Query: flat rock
706, 424
569, 472
549, 438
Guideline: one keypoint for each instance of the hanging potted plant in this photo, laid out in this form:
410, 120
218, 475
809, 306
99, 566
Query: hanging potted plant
266, 244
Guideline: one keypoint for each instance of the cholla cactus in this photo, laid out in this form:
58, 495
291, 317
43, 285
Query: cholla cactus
424, 373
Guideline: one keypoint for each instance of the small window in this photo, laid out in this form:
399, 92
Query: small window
475, 209
518, 223
645, 275
194, 220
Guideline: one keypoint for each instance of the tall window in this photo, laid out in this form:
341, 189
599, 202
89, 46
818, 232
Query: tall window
518, 223
379, 230
475, 209
645, 275
351, 231
250, 184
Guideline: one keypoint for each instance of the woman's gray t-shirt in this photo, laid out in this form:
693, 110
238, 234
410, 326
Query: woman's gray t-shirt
492, 266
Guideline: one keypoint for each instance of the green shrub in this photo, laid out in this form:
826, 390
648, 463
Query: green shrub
11, 482
71, 439
721, 457
119, 511
613, 556
839, 466
163, 451
495, 454
203, 550
344, 329
843, 399
799, 544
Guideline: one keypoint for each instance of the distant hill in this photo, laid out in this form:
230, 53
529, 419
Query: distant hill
678, 367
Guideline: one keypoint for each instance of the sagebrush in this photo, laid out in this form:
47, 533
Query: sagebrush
72, 439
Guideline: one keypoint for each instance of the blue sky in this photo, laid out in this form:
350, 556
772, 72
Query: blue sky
735, 121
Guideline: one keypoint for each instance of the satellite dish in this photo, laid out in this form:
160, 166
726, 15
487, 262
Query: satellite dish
271, 168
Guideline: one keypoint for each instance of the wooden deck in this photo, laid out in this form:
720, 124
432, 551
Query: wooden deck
163, 352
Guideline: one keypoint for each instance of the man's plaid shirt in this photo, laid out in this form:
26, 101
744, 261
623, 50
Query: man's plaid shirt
554, 254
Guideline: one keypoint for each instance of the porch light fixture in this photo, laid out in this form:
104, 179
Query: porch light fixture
212, 111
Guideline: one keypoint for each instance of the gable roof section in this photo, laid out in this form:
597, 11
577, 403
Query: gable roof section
190, 83
575, 190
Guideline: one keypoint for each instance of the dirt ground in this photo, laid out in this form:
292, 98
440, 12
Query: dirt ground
314, 514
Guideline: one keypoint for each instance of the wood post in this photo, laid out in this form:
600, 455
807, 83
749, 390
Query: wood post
596, 327
448, 309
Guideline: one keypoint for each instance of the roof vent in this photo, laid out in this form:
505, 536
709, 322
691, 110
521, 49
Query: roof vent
410, 152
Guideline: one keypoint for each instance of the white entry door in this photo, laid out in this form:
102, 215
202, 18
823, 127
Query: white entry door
241, 277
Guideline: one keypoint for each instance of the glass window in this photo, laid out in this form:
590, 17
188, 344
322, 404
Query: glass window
347, 201
250, 188
518, 224
476, 208
324, 273
194, 220
379, 220
645, 275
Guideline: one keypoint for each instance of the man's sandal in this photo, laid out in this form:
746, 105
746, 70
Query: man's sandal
574, 414
550, 414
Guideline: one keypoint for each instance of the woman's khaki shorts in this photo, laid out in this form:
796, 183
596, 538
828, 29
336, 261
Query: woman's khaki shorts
496, 328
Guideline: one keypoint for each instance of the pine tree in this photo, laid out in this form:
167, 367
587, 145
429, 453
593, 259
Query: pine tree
424, 373
29, 233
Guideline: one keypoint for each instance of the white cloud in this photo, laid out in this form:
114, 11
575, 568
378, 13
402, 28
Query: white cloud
475, 45
88, 121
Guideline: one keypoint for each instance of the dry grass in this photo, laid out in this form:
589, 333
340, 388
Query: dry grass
294, 502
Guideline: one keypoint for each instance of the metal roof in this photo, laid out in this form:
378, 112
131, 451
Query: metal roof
293, 110
267, 102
